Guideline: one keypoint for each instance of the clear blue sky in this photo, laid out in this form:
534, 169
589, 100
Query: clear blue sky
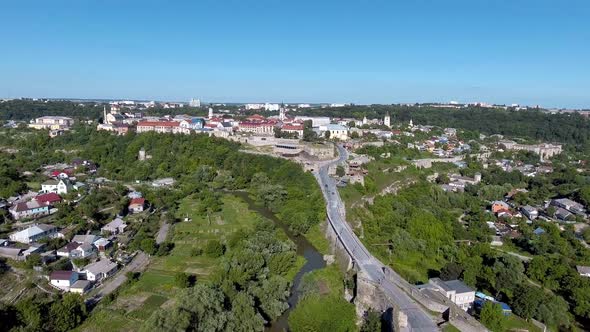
503, 51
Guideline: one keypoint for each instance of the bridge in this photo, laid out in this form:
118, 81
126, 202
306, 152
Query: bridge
415, 317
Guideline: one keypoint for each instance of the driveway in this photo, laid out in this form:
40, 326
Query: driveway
138, 264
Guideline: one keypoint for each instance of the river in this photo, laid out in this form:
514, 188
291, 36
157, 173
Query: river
314, 260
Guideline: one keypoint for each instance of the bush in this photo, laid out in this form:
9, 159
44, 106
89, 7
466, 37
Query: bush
214, 248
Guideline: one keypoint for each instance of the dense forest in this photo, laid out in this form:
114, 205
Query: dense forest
25, 109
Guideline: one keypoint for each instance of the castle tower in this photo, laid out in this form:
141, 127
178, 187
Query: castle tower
387, 120
210, 112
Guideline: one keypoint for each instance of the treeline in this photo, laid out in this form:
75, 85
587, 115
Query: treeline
534, 124
25, 110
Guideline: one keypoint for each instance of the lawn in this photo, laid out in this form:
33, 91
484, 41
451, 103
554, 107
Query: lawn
136, 302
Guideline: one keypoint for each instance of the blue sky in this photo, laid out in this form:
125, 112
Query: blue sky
503, 51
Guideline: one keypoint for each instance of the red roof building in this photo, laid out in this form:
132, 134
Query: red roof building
48, 199
136, 205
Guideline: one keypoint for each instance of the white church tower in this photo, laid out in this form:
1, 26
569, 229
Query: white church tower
210, 113
387, 120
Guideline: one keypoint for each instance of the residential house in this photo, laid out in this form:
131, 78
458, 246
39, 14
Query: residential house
61, 186
100, 270
88, 239
530, 212
136, 205
12, 253
48, 199
102, 244
76, 250
499, 205
80, 287
584, 271
34, 233
114, 227
456, 291
564, 215
63, 279
568, 204
30, 209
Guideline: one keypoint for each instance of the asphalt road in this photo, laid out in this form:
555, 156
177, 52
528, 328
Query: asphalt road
418, 318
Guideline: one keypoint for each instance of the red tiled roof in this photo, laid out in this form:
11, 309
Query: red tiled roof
48, 198
158, 124
138, 201
292, 127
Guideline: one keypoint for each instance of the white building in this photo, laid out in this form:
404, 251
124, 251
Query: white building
336, 131
454, 290
52, 122
387, 120
63, 279
254, 106
34, 233
195, 103
100, 270
114, 227
272, 107
316, 121
63, 186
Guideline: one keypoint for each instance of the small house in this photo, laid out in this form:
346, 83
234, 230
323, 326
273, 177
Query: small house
584, 271
63, 279
116, 226
100, 270
136, 205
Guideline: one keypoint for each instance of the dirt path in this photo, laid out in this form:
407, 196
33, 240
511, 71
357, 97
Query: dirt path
138, 264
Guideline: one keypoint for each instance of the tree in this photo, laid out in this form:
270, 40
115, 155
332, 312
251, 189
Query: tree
327, 134
67, 313
340, 170
214, 248
491, 316
451, 271
149, 246
182, 280
244, 317
372, 322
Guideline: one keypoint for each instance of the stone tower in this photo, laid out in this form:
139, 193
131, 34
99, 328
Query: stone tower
387, 120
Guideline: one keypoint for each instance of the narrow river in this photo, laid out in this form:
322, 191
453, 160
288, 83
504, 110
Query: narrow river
314, 260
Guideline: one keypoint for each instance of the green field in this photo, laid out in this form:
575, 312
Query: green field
156, 287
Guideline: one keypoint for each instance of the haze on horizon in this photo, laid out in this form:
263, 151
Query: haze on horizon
526, 52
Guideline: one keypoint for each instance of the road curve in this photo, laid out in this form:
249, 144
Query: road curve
418, 318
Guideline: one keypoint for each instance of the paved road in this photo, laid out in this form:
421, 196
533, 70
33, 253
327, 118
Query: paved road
418, 318
139, 263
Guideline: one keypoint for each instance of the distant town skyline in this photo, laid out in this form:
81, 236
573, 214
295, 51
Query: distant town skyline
501, 52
